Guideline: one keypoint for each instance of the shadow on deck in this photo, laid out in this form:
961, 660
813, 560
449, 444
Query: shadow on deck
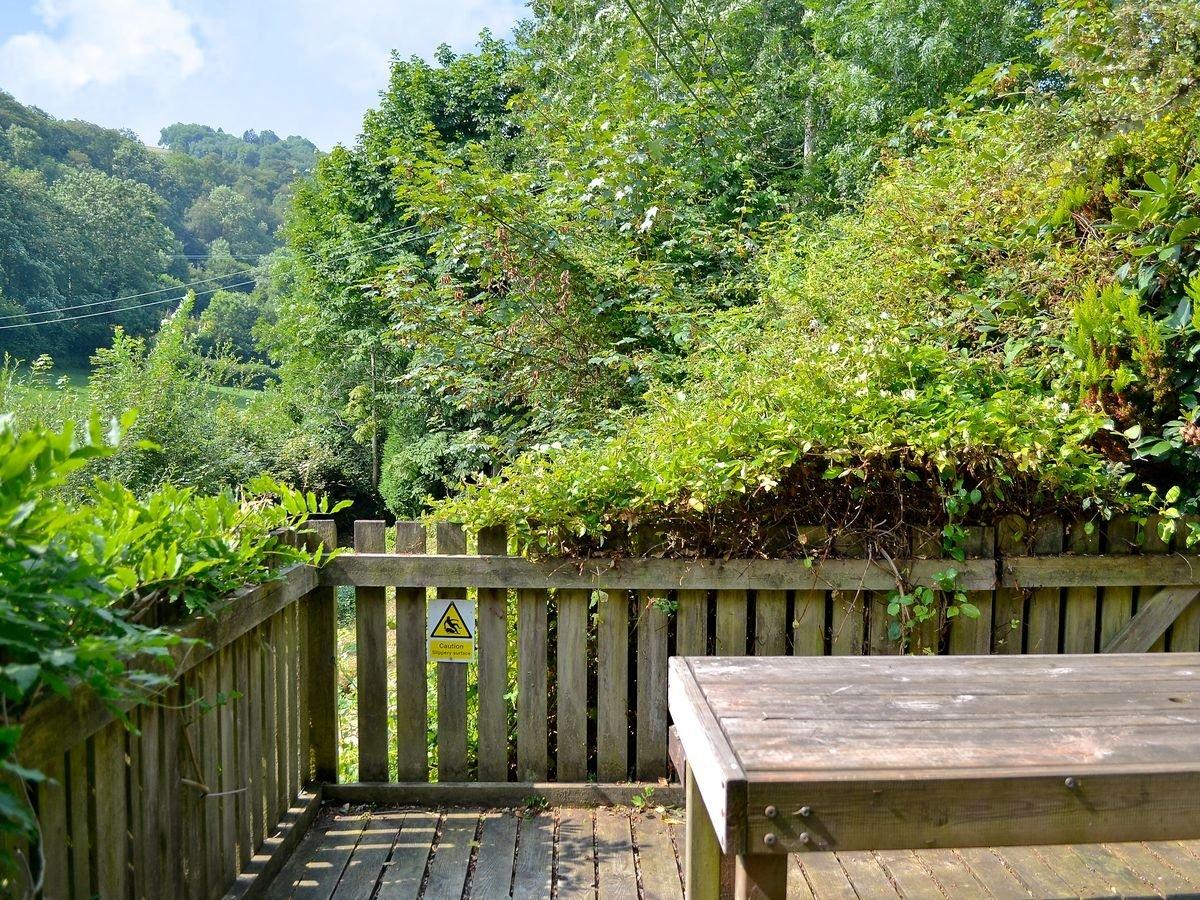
580, 853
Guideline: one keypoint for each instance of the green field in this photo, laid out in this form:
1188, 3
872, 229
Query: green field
75, 380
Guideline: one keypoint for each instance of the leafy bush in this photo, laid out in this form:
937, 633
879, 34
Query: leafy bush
1009, 315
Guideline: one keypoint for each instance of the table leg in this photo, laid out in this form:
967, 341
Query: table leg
761, 876
703, 863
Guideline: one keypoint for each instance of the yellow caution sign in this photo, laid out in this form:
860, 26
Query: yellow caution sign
451, 631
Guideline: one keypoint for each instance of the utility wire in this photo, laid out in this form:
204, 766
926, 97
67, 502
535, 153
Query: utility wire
355, 248
105, 312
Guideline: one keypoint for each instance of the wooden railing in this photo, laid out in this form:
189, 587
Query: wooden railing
203, 791
583, 644
208, 792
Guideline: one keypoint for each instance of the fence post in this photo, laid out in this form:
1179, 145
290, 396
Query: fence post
322, 668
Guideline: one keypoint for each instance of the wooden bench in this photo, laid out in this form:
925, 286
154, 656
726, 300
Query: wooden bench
802, 754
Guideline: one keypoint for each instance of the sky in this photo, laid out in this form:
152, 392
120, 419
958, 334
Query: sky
307, 67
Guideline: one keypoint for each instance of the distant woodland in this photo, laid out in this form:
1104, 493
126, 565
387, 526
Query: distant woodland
88, 214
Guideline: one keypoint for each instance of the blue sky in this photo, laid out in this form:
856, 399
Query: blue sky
309, 67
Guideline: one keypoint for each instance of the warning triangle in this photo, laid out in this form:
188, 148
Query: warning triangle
451, 625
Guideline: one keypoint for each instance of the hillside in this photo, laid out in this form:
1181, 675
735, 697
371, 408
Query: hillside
89, 214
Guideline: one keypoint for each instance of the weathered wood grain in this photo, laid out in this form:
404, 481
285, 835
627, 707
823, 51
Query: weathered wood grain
612, 686
647, 574
571, 708
321, 661
412, 712
492, 643
866, 753
451, 677
370, 622
651, 738
532, 750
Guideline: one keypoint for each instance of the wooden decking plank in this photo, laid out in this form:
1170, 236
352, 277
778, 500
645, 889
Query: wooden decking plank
865, 874
797, 886
950, 872
1113, 871
1175, 854
656, 859
576, 854
401, 878
452, 858
1158, 873
909, 875
825, 877
534, 865
369, 856
1070, 867
497, 851
992, 873
317, 863
1038, 877
322, 871
614, 856
575, 860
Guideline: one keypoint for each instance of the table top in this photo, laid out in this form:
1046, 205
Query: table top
750, 724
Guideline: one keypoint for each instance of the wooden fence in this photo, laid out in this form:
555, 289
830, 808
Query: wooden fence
206, 782
582, 645
207, 794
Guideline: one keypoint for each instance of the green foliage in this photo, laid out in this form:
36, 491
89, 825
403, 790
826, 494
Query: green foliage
587, 199
1011, 305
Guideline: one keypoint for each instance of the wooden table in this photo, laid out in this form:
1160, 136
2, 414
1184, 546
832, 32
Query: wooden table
801, 754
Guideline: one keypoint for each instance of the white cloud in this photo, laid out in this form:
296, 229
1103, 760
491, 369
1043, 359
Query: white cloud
99, 42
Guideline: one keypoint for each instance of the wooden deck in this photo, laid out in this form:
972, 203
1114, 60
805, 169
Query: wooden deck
610, 853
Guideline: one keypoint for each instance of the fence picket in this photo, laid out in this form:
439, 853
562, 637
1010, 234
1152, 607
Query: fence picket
612, 686
147, 800
1116, 602
111, 814
169, 809
1079, 607
973, 635
52, 814
691, 623
532, 758
1009, 623
731, 623
1153, 542
227, 764
412, 712
1045, 603
321, 675
770, 623
371, 661
243, 780
213, 878
452, 678
651, 734
254, 729
492, 644
571, 709
79, 793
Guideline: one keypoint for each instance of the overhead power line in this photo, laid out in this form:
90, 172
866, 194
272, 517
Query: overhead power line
106, 312
109, 312
354, 248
